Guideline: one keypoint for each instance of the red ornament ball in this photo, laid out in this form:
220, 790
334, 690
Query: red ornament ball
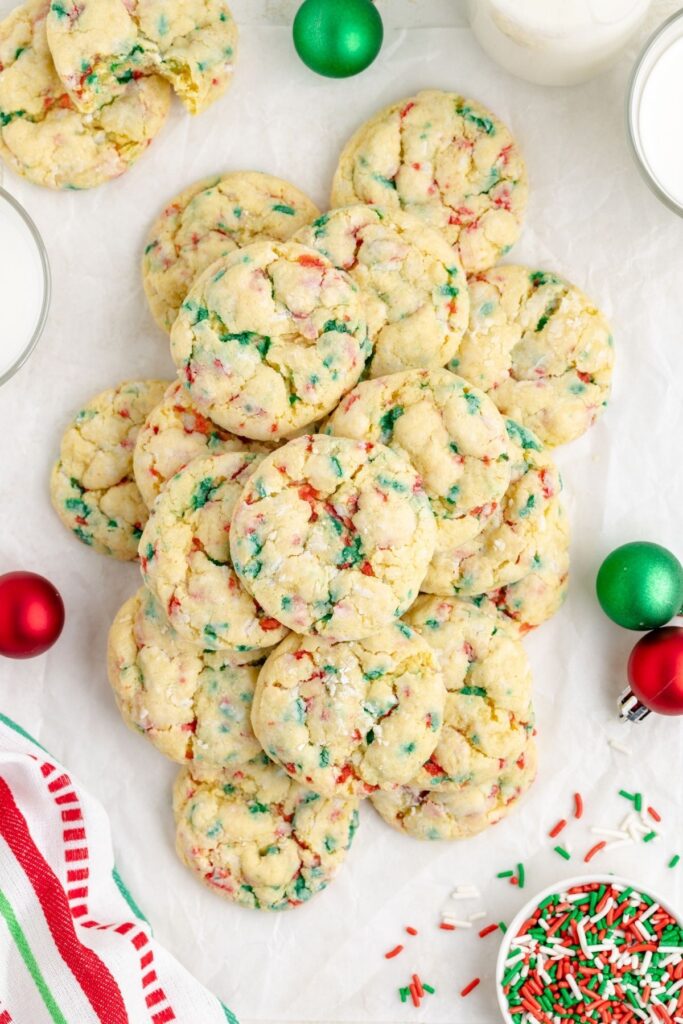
655, 670
31, 614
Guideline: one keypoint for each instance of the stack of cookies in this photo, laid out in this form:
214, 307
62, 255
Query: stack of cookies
344, 507
85, 85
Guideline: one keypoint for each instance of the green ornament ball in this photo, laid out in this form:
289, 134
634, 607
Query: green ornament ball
640, 585
338, 38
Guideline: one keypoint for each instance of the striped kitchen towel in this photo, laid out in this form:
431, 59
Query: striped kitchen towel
74, 947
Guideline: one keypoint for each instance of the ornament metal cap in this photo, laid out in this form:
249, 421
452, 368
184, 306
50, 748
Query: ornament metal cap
630, 708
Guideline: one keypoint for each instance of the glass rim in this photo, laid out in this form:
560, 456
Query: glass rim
47, 286
633, 96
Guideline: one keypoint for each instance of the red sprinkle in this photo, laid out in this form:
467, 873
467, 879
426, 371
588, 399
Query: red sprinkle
413, 994
488, 930
578, 805
655, 815
393, 952
411, 930
555, 831
593, 850
418, 986
447, 927
471, 987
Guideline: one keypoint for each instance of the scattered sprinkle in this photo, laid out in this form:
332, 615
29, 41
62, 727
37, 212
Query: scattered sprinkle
674, 861
488, 930
593, 850
503, 927
471, 987
521, 877
649, 837
428, 988
638, 802
655, 815
562, 852
556, 829
505, 874
393, 952
447, 927
578, 805
616, 745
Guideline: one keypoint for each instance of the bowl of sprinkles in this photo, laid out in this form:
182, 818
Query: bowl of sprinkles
596, 948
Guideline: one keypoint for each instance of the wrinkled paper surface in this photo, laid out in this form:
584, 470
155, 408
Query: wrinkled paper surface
591, 218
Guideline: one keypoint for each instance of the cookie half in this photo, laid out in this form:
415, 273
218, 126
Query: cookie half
43, 136
100, 45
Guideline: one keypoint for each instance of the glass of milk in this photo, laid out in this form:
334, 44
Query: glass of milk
555, 42
24, 286
653, 111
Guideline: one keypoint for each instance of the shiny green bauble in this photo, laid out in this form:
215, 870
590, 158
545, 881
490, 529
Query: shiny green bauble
338, 38
640, 585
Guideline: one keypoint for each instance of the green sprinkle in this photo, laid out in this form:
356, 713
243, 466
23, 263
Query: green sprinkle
562, 852
474, 691
674, 861
387, 421
428, 988
403, 992
503, 927
283, 208
627, 796
520, 876
505, 874
649, 837
638, 802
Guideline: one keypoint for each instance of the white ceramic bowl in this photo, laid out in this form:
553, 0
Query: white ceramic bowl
562, 886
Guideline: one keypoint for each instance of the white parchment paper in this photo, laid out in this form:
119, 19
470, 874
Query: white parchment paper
590, 217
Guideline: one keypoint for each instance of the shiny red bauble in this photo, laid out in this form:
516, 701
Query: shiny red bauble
655, 670
31, 614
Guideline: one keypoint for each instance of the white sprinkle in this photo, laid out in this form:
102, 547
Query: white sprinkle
645, 965
478, 916
628, 705
571, 981
652, 909
643, 930
676, 987
459, 924
585, 948
616, 745
543, 924
604, 912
